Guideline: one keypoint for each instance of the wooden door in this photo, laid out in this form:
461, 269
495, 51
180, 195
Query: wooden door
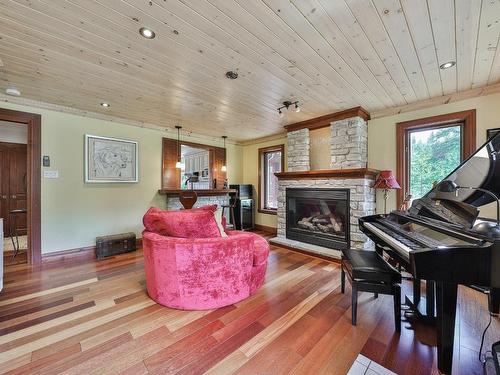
4, 188
18, 184
14, 183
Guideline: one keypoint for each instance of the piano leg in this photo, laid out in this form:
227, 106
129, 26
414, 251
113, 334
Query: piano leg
446, 303
429, 298
495, 300
417, 285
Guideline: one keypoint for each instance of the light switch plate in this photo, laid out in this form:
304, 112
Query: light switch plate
51, 174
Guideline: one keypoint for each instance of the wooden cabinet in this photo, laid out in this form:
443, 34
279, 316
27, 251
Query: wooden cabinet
196, 162
205, 160
13, 183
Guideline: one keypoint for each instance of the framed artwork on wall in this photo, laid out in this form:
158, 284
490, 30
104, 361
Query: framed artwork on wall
110, 160
491, 132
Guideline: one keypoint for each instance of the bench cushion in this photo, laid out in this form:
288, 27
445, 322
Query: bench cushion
369, 266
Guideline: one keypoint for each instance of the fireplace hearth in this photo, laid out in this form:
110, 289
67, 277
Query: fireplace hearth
318, 216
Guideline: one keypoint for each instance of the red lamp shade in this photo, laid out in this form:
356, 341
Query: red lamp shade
386, 180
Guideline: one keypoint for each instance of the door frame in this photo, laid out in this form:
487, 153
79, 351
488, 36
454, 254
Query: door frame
33, 122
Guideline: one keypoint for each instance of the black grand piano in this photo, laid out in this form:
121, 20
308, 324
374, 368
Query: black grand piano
444, 240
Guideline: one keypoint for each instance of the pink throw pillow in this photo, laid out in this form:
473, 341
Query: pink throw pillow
195, 223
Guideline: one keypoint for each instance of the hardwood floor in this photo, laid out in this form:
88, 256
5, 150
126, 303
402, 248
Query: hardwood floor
81, 317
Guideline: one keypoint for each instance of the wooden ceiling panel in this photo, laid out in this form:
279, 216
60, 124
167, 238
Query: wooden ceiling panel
328, 55
467, 22
421, 32
487, 42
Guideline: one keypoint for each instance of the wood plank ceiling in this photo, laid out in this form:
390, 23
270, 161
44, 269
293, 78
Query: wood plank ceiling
328, 54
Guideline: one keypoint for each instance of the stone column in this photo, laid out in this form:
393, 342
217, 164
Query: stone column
349, 143
298, 145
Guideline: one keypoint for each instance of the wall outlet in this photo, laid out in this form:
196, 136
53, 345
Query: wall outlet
51, 174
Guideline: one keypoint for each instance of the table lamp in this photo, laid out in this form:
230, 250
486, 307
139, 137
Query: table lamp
386, 181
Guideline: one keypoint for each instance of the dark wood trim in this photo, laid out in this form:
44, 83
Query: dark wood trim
329, 173
265, 228
199, 192
260, 187
267, 211
33, 122
214, 163
305, 252
326, 120
87, 253
82, 253
468, 118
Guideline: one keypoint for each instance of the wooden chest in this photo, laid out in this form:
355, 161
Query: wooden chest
115, 244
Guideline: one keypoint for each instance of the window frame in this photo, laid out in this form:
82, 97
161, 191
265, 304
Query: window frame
467, 119
262, 176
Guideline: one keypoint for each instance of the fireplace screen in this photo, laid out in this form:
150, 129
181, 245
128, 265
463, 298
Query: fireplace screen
318, 216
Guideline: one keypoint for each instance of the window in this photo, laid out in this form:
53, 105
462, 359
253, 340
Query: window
430, 148
271, 161
433, 153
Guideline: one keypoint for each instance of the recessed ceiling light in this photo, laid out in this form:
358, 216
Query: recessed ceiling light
13, 91
447, 65
105, 105
147, 33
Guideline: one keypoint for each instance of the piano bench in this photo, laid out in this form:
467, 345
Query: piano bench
367, 271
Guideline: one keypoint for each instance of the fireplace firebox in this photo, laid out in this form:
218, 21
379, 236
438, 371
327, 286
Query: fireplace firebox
318, 216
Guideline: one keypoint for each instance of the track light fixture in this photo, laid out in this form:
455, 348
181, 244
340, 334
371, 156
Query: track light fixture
287, 104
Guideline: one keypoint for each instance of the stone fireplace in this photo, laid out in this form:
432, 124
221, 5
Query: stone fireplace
318, 210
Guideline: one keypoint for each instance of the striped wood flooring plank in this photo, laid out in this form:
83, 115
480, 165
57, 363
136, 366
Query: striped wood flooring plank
94, 317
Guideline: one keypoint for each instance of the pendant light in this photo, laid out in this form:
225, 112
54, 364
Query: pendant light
224, 168
179, 164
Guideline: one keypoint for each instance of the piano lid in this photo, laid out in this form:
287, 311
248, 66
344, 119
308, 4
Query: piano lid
480, 170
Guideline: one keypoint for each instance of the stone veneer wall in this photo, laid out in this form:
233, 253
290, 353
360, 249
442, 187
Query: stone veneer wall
362, 197
298, 146
173, 202
349, 143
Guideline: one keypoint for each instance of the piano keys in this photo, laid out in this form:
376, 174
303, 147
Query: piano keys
435, 240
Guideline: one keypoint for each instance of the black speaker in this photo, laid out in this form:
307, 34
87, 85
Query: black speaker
243, 206
243, 190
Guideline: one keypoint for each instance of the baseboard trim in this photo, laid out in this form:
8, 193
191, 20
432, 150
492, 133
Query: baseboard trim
265, 228
305, 252
87, 253
84, 253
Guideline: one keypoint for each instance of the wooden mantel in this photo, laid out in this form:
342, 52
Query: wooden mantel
329, 173
326, 120
199, 192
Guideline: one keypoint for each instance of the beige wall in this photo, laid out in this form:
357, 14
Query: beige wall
382, 133
320, 153
74, 213
251, 176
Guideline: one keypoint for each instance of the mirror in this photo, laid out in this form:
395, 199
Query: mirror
196, 173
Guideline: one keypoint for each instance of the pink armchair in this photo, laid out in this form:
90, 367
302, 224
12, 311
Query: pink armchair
203, 273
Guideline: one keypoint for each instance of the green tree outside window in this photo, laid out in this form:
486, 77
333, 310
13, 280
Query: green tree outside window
434, 153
